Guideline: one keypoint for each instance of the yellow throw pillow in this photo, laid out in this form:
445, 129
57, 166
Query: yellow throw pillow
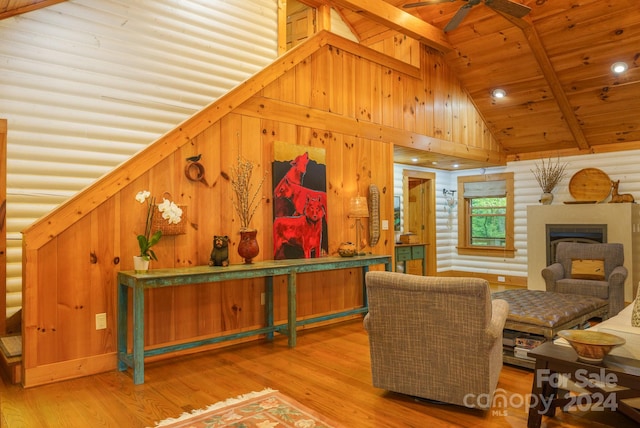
635, 315
587, 269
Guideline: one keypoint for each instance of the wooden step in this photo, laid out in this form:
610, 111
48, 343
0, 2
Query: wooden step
11, 366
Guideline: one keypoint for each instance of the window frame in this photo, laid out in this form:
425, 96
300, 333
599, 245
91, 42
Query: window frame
464, 221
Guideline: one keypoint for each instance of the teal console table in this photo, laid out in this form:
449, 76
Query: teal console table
406, 252
158, 278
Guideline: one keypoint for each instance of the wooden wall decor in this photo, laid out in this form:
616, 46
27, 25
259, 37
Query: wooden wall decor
326, 93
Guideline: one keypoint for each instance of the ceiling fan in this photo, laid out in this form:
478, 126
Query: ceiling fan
507, 6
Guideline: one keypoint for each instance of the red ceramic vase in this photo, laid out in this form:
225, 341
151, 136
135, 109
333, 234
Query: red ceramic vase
248, 246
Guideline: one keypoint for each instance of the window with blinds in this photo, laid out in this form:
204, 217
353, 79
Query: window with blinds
486, 217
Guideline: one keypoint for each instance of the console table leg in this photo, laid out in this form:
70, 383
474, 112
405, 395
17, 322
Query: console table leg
292, 311
268, 291
123, 303
138, 335
365, 301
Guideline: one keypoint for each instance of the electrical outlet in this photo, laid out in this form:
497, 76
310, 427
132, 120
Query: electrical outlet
101, 321
501, 279
385, 224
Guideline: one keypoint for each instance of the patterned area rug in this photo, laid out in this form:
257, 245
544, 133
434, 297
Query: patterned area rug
264, 409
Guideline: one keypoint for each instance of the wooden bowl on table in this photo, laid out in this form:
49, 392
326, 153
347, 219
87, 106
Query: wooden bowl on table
591, 346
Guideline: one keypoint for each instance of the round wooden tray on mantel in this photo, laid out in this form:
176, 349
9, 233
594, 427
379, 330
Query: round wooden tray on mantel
590, 185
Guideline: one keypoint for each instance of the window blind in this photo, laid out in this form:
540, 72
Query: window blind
485, 189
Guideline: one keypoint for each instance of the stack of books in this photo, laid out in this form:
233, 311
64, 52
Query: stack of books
518, 344
523, 343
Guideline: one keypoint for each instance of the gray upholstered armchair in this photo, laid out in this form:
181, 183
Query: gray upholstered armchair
589, 269
434, 337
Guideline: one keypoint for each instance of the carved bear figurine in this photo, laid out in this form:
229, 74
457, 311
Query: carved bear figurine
220, 252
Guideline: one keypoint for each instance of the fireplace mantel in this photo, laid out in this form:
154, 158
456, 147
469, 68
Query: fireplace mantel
623, 226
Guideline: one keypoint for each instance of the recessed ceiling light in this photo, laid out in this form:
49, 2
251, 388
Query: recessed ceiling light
434, 162
455, 165
499, 93
619, 67
414, 159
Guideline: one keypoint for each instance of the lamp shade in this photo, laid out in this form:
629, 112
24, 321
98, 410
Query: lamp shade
358, 207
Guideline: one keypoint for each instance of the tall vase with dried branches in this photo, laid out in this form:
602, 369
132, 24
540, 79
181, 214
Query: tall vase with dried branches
548, 176
246, 201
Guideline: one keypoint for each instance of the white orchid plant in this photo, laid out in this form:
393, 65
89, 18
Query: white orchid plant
171, 212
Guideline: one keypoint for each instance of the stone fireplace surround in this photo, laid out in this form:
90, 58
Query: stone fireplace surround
622, 225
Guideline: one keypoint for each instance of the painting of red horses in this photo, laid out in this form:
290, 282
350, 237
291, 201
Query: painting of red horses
299, 202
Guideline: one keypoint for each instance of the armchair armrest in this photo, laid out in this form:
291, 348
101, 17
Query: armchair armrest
616, 289
499, 313
618, 275
551, 274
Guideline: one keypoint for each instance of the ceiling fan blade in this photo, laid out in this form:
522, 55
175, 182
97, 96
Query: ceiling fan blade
457, 18
512, 8
425, 3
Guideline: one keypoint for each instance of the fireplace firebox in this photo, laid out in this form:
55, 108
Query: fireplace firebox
587, 233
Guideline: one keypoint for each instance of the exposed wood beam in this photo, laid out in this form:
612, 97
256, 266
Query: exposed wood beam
551, 77
28, 8
270, 109
282, 27
603, 148
323, 18
392, 17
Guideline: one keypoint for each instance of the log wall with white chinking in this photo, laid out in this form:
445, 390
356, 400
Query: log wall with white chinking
328, 92
3, 221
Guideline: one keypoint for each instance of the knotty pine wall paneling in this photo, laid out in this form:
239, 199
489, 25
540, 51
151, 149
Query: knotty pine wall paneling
336, 81
291, 101
105, 233
44, 350
426, 63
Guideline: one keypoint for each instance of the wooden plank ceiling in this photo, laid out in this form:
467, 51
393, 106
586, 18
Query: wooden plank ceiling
554, 64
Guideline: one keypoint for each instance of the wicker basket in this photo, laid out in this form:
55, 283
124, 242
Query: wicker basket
163, 225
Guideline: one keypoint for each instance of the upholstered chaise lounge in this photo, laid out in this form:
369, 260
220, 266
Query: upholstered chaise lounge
589, 270
434, 337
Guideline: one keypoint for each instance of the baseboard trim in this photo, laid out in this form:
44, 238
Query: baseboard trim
66, 370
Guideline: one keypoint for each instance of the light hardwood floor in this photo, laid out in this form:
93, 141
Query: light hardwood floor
328, 371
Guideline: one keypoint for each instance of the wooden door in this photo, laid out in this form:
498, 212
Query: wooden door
419, 216
300, 26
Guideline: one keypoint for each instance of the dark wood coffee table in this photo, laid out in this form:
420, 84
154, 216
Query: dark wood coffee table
546, 391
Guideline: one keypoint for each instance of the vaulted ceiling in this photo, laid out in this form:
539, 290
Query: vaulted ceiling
554, 64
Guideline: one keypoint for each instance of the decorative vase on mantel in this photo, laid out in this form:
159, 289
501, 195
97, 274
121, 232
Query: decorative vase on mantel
546, 198
248, 246
140, 264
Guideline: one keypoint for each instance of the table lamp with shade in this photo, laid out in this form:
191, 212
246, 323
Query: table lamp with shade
358, 209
